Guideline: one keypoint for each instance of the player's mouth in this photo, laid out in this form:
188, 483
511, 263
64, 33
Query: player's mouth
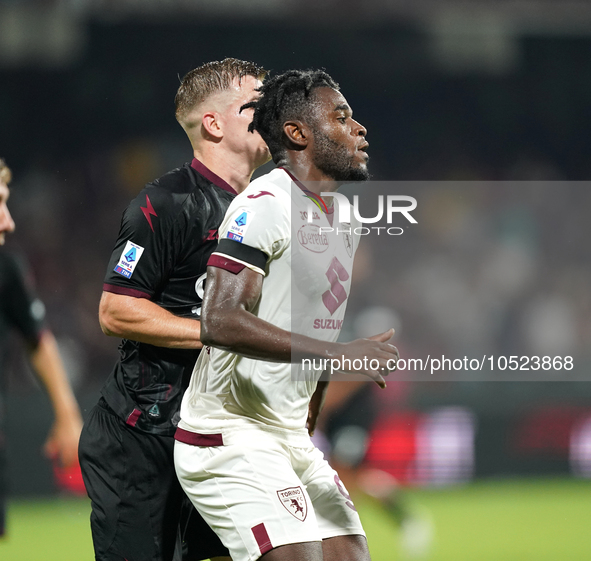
363, 148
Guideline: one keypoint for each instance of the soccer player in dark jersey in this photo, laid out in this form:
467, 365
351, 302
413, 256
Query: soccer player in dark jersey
22, 311
152, 298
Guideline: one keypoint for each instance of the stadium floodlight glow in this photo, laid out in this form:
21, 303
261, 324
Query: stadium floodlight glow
344, 208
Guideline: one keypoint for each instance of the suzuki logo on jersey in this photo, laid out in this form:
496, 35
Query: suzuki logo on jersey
337, 294
260, 194
328, 324
294, 501
239, 224
129, 259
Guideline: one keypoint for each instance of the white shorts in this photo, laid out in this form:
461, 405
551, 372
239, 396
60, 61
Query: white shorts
262, 489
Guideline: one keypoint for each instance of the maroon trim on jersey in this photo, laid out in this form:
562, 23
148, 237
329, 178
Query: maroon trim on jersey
327, 209
262, 538
210, 176
125, 291
225, 263
133, 417
196, 439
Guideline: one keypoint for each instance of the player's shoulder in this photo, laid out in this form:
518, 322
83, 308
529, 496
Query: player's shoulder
14, 268
12, 262
179, 180
166, 195
270, 189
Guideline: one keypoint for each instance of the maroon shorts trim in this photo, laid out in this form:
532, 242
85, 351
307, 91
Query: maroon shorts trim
225, 263
262, 538
125, 291
196, 439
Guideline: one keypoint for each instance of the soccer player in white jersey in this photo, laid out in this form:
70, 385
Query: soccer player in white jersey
243, 454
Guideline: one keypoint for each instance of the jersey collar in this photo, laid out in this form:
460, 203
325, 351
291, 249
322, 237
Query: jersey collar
210, 176
316, 198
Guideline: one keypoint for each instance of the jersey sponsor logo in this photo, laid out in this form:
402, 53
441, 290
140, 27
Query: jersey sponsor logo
212, 235
328, 324
154, 411
310, 237
239, 224
129, 259
260, 194
149, 211
294, 501
337, 294
304, 215
235, 237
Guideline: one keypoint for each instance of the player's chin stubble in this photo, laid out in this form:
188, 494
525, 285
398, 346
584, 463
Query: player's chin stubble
333, 159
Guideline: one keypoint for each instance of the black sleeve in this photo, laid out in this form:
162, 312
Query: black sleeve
21, 307
243, 252
141, 259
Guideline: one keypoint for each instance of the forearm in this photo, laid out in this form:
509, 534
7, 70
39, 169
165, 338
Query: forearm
243, 333
139, 319
229, 322
49, 368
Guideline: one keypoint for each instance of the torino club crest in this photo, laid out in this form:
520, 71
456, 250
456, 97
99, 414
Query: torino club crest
294, 501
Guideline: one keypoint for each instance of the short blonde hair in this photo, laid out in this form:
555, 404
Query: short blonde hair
210, 78
5, 173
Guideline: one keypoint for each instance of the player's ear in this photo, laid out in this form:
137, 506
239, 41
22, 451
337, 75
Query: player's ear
210, 122
296, 133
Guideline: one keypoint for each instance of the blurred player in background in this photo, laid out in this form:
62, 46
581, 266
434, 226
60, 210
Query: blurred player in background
343, 433
20, 310
152, 298
243, 453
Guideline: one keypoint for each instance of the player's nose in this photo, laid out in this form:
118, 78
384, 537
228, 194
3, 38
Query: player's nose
359, 129
6, 221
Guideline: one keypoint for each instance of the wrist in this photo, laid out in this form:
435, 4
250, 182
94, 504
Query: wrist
334, 351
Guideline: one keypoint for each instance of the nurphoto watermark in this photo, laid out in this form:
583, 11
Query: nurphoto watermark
388, 206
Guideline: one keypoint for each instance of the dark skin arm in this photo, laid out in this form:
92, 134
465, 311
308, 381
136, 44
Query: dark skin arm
227, 322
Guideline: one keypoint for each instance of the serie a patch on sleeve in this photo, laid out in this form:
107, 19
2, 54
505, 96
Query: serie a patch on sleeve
129, 259
239, 224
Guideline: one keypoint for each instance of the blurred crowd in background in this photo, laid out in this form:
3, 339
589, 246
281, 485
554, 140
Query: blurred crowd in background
458, 121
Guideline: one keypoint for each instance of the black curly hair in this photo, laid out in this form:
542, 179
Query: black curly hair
284, 97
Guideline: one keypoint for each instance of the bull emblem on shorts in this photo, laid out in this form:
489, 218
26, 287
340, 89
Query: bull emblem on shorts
294, 501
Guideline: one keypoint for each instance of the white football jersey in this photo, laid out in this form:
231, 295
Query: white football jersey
307, 278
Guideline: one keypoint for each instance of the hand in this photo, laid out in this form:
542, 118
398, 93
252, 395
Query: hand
373, 351
62, 442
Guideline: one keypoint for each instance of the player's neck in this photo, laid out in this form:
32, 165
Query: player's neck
313, 179
232, 168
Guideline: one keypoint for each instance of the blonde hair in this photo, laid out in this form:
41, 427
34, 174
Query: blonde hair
210, 78
5, 173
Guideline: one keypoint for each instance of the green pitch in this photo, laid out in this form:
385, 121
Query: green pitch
518, 520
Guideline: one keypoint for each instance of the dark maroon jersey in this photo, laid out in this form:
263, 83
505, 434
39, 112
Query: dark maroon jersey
20, 310
167, 234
